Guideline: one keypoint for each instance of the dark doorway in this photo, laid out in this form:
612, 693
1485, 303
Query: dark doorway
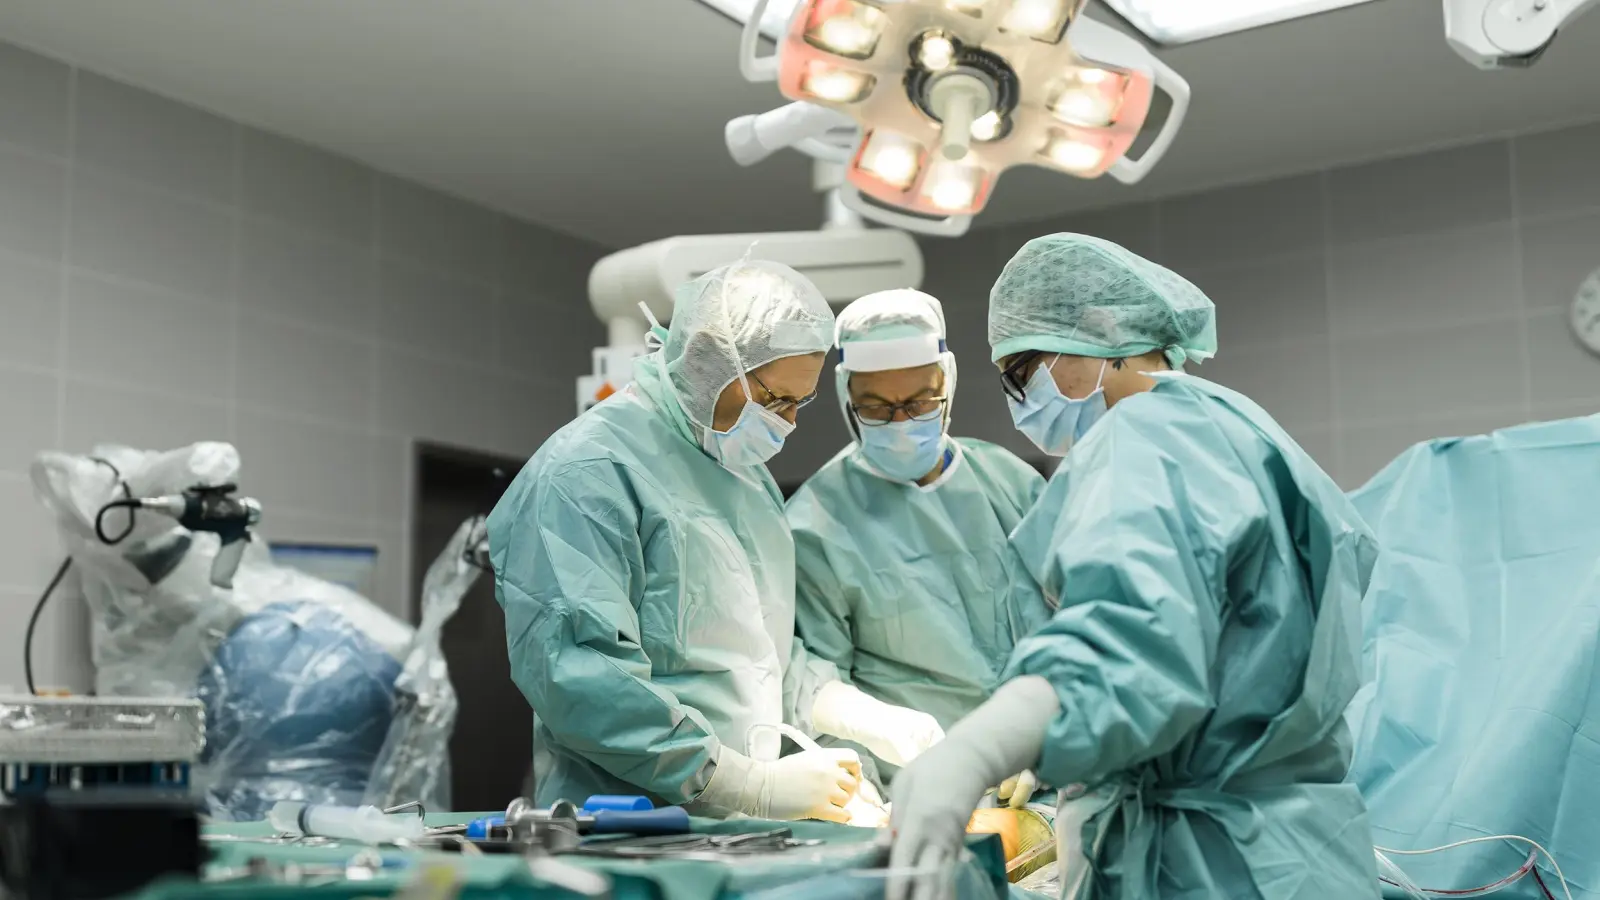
492, 748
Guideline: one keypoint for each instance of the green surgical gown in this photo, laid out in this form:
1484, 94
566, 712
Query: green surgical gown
913, 592
1210, 577
649, 601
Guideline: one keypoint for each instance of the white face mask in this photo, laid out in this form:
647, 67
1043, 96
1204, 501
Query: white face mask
1052, 420
756, 437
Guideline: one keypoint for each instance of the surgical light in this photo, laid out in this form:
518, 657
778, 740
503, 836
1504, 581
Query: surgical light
892, 159
1041, 20
1089, 98
952, 188
988, 126
935, 51
845, 27
834, 84
1182, 21
1074, 154
980, 85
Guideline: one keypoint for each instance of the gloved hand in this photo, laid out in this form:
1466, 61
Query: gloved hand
1017, 790
867, 809
934, 796
894, 734
815, 784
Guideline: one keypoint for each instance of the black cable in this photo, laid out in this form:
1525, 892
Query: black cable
33, 622
100, 518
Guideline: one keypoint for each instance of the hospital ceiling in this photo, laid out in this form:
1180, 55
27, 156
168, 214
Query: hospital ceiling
604, 117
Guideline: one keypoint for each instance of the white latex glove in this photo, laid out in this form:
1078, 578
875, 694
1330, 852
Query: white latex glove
1017, 790
894, 734
934, 796
815, 784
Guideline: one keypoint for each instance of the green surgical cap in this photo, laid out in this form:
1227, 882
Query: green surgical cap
1083, 296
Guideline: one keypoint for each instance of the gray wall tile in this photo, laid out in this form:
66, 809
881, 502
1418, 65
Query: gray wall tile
435, 313
315, 281
429, 399
1291, 380
1133, 226
539, 337
296, 368
30, 310
1563, 370
1424, 282
303, 186
548, 265
1243, 223
137, 134
29, 548
1572, 409
29, 407
32, 198
121, 228
439, 231
1264, 302
1557, 255
1555, 170
1366, 450
296, 466
149, 338
1452, 370
1432, 192
100, 413
33, 100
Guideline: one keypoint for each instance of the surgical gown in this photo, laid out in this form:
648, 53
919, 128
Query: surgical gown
914, 592
1482, 712
1210, 576
649, 601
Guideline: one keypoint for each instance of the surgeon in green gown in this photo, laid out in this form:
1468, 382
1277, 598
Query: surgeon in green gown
904, 577
647, 573
1191, 686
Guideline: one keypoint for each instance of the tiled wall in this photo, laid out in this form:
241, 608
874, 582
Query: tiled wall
1367, 308
168, 276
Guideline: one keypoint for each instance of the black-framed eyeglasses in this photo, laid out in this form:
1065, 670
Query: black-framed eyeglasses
1014, 379
924, 409
780, 404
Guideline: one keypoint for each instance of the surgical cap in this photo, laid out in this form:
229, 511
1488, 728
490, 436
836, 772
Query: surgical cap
1080, 295
737, 318
897, 329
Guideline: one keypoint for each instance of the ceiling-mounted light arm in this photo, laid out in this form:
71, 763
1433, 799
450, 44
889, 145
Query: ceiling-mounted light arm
1510, 33
949, 226
756, 68
803, 126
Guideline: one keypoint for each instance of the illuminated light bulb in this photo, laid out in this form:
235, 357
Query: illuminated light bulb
891, 159
836, 85
1039, 19
952, 188
935, 52
848, 29
987, 126
1076, 106
1093, 76
1074, 155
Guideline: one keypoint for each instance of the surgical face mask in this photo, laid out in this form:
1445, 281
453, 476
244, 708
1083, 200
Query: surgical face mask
904, 451
755, 438
1052, 420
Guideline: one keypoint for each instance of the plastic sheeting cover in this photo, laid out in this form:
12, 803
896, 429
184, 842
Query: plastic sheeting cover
1481, 711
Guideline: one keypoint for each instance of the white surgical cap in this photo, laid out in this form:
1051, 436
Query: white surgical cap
1080, 295
738, 318
899, 329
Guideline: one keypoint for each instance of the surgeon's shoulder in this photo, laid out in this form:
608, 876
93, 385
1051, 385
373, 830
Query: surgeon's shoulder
995, 463
827, 482
1209, 415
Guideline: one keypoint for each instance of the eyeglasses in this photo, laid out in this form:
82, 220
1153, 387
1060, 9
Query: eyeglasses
1014, 380
925, 409
780, 404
